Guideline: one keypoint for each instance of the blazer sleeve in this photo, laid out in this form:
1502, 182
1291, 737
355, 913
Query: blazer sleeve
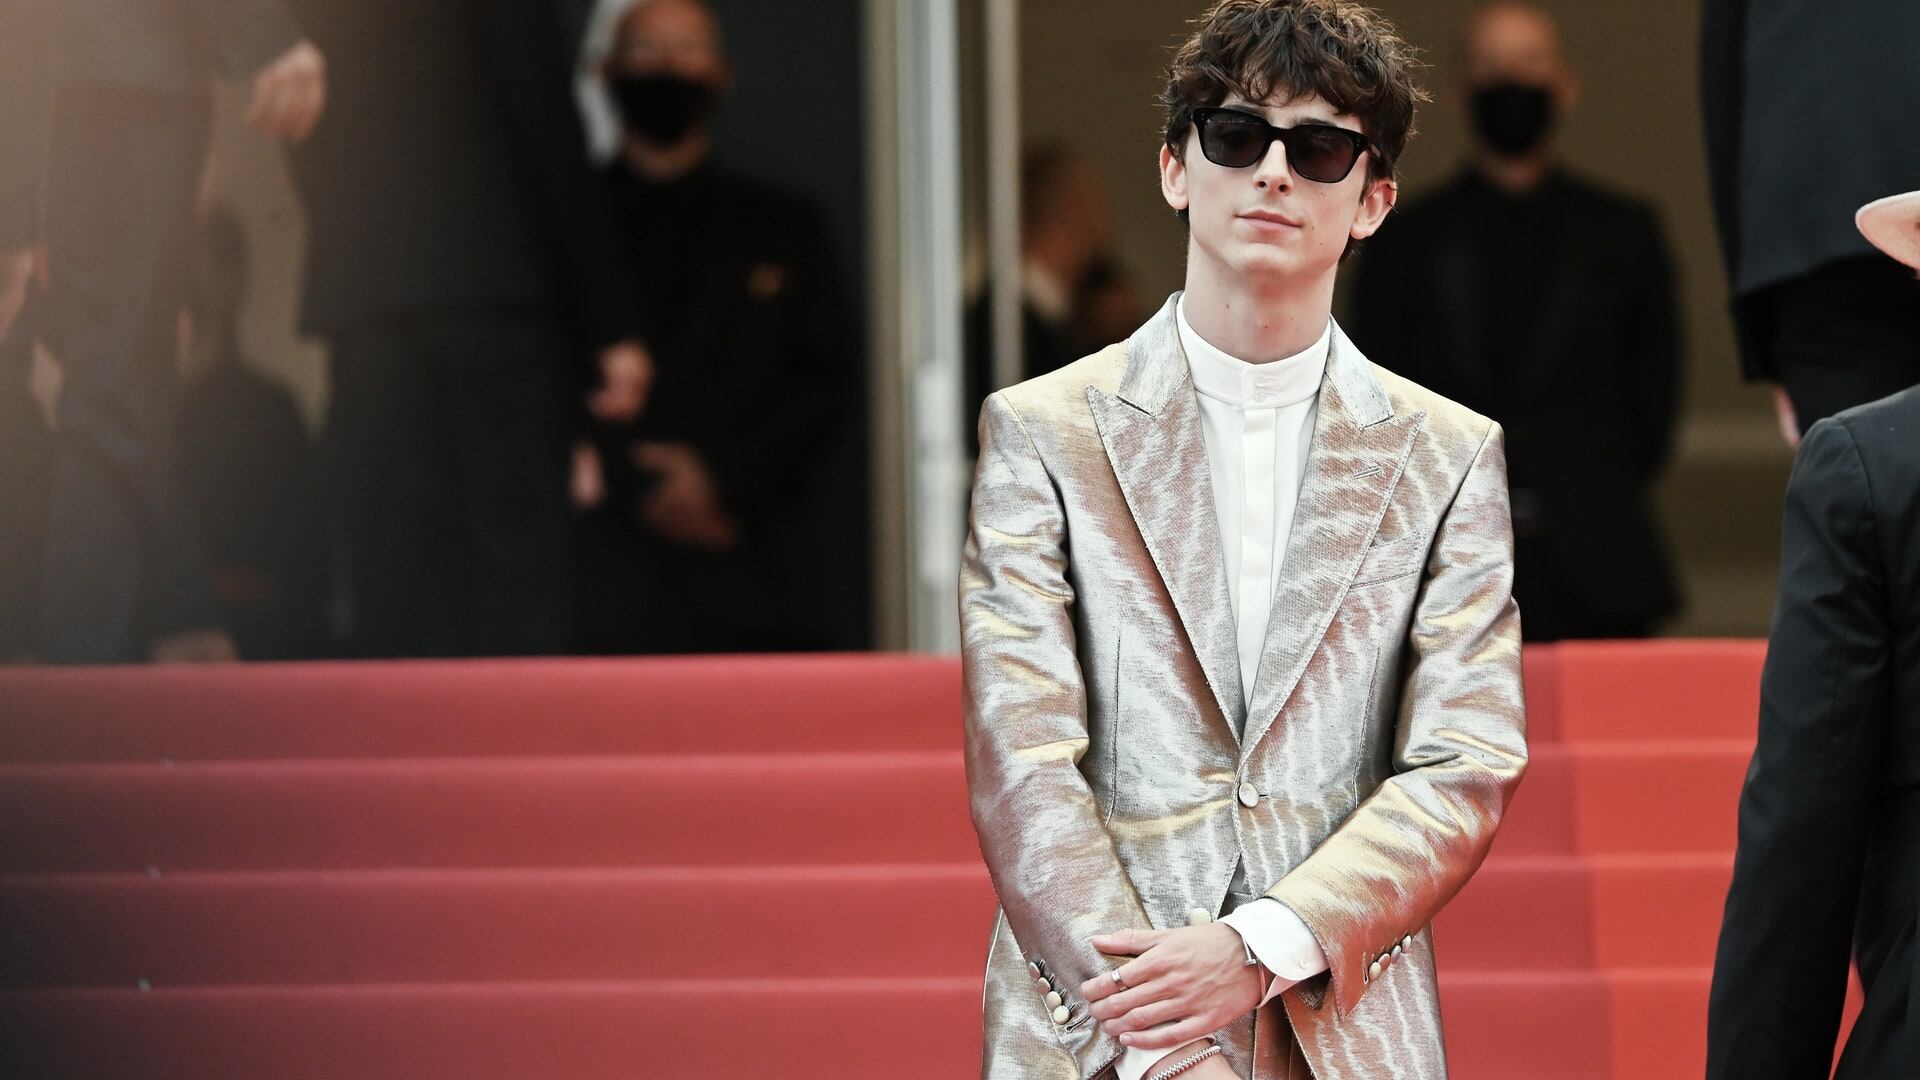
1052, 860
1723, 25
1780, 975
1459, 750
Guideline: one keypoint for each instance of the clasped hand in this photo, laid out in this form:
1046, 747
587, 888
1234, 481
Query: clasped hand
1194, 980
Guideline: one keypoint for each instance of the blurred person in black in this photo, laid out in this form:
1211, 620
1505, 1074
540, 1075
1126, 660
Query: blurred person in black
1545, 301
1828, 864
461, 268
248, 468
115, 138
1110, 306
1066, 230
696, 524
1809, 110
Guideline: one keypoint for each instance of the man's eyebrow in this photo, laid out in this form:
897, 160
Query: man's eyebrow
1244, 105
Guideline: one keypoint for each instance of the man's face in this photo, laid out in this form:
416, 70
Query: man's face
1264, 223
670, 37
1518, 44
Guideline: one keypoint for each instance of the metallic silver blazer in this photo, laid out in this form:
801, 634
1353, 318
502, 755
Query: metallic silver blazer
1386, 734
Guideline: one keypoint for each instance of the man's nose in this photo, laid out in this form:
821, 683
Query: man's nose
1272, 169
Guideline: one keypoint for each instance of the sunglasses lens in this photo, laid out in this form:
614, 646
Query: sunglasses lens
1234, 144
1321, 154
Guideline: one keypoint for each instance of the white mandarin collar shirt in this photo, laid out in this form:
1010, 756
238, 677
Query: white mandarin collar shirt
1258, 425
1243, 385
1258, 422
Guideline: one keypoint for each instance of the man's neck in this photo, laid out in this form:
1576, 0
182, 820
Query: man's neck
662, 164
1514, 175
1256, 323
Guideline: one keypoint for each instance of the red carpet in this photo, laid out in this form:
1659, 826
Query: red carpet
721, 869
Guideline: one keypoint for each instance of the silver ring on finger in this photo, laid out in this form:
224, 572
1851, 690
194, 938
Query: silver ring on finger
1118, 979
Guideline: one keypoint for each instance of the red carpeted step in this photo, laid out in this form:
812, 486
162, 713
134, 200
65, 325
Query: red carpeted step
689, 809
1608, 912
1577, 691
1624, 797
451, 812
1645, 1024
504, 925
550, 792
1625, 690
422, 926
865, 1029
1539, 671
1568, 1025
545, 708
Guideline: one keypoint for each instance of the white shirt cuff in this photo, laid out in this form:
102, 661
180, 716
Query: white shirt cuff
1281, 942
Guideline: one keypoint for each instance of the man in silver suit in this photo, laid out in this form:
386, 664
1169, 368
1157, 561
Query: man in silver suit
1241, 657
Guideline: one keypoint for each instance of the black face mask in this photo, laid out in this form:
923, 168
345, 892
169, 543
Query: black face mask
661, 109
1513, 118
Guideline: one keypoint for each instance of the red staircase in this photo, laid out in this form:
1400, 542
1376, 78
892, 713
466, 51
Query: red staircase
720, 868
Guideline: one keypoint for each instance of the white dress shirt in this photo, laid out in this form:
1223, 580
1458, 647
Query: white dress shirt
1258, 425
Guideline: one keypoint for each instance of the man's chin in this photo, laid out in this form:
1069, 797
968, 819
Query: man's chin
1268, 263
1262, 265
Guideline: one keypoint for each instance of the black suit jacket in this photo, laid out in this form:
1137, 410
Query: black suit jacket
1808, 109
759, 371
450, 170
764, 356
1589, 413
1829, 852
1044, 346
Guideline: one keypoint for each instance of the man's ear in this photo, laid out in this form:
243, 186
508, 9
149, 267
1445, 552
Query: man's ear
1376, 201
1173, 178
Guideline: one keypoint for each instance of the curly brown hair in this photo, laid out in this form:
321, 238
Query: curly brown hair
1348, 54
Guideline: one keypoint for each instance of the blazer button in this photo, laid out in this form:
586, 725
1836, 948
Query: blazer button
1407, 941
1199, 917
1054, 1000
1043, 984
1396, 950
1033, 967
1373, 970
1060, 1014
1249, 795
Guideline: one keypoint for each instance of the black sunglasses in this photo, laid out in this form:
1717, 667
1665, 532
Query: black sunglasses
1235, 139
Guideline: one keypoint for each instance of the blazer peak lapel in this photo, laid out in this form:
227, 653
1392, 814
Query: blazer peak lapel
1153, 438
1358, 451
